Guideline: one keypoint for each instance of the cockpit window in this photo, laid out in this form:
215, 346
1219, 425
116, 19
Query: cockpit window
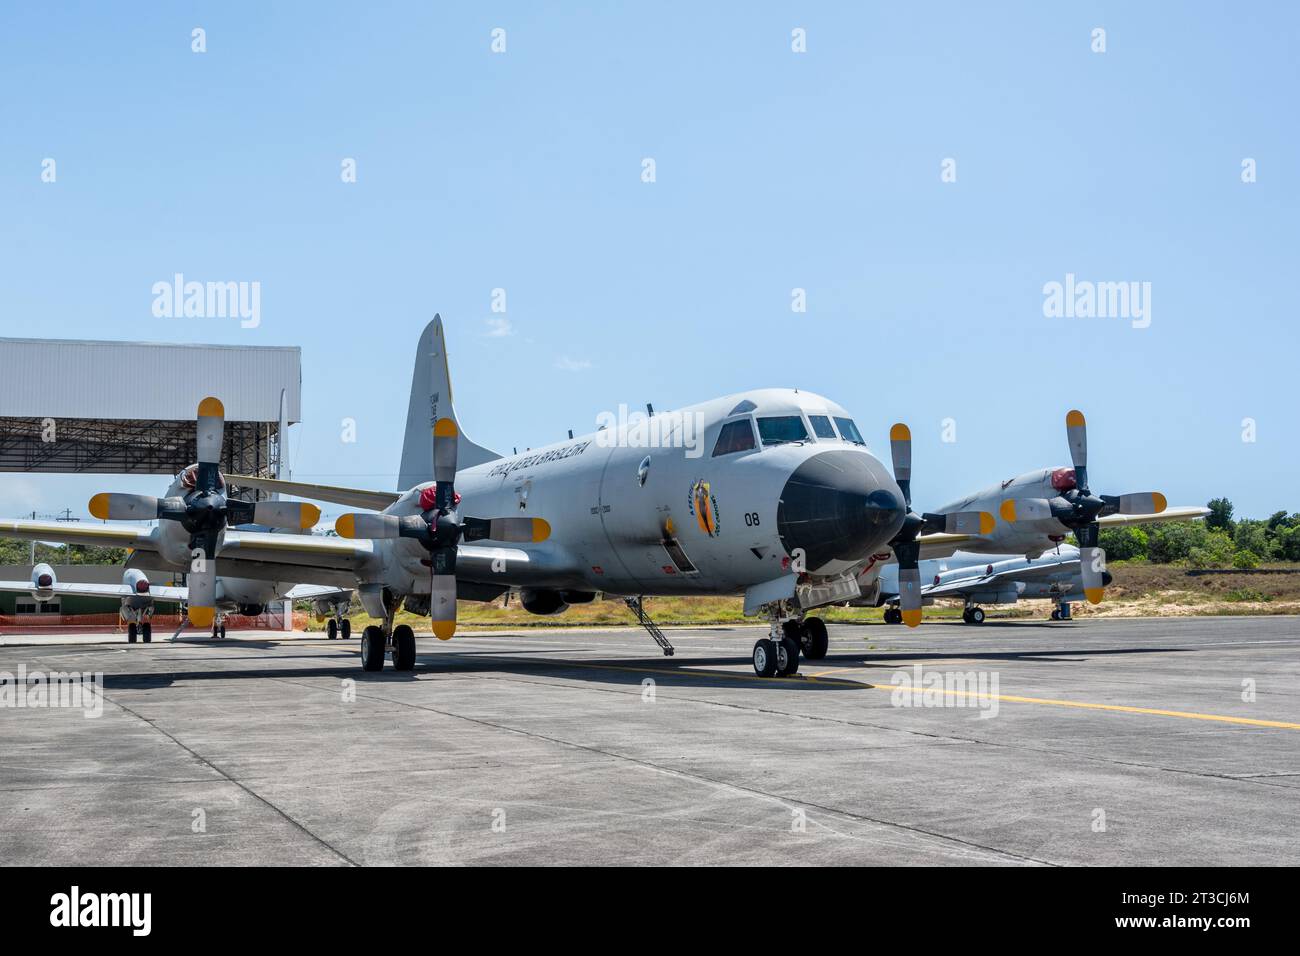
735, 436
822, 426
782, 429
849, 431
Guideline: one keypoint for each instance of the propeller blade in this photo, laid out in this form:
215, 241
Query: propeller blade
119, 507
368, 526
908, 555
284, 514
1025, 509
900, 451
1092, 566
521, 530
202, 587
1140, 503
445, 445
1076, 432
207, 442
960, 522
442, 600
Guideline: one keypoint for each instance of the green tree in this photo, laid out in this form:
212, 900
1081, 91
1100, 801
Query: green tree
1214, 551
1220, 516
1174, 540
1124, 543
1250, 535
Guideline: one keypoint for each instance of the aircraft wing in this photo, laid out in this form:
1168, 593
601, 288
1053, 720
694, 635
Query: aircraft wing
104, 535
354, 497
1181, 513
80, 589
943, 545
983, 582
308, 558
300, 592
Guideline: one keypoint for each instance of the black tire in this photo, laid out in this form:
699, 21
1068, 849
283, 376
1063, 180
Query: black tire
403, 648
146, 632
787, 658
816, 640
331, 629
765, 657
965, 615
372, 649
1056, 614
130, 633
223, 632
346, 629
977, 615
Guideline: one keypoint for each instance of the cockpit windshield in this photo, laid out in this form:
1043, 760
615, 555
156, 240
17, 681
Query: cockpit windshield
782, 429
822, 426
849, 431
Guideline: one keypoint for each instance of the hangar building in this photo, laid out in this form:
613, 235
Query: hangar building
129, 407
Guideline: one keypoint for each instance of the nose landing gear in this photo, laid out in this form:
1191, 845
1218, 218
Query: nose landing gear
778, 654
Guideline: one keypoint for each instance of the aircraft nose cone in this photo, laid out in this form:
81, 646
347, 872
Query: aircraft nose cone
839, 506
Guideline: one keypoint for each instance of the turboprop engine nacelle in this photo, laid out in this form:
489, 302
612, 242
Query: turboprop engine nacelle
542, 601
43, 581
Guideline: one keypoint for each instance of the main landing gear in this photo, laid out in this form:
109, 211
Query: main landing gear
377, 641
973, 615
893, 615
143, 631
778, 655
338, 626
1062, 612
218, 630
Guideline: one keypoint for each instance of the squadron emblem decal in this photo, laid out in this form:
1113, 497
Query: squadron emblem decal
704, 506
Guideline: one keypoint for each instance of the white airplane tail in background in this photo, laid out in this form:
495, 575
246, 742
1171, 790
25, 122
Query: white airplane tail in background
430, 400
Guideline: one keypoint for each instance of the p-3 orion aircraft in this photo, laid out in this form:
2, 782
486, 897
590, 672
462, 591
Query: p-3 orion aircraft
193, 521
782, 504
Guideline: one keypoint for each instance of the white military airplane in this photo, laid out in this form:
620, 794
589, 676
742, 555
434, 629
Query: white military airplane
981, 579
194, 517
139, 595
784, 505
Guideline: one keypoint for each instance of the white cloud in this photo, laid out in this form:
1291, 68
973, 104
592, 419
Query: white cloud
566, 364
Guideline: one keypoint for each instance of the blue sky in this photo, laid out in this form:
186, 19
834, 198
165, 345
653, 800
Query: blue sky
774, 170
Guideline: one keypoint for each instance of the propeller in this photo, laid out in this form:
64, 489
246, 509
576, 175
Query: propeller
1078, 509
204, 511
440, 529
906, 546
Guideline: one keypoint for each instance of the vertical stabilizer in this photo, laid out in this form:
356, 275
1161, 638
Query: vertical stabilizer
430, 400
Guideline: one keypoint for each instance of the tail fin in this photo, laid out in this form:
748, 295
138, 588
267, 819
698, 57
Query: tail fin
431, 400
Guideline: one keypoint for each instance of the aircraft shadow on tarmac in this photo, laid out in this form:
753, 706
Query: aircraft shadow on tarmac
665, 671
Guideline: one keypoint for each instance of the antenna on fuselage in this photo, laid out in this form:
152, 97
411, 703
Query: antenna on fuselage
649, 409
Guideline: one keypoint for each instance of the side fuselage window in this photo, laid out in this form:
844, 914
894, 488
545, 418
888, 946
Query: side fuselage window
822, 427
849, 431
782, 429
734, 437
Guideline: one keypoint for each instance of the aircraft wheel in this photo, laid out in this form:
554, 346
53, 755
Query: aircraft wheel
372, 649
403, 648
1056, 614
130, 633
346, 629
765, 657
223, 631
787, 657
977, 615
146, 632
893, 616
331, 629
816, 640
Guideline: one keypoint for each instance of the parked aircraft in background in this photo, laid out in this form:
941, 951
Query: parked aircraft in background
982, 579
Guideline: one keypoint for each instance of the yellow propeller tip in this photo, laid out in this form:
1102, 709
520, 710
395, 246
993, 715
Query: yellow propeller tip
445, 428
1008, 511
212, 408
1160, 501
986, 523
1074, 418
900, 432
1094, 594
346, 525
99, 506
912, 618
202, 616
541, 530
443, 630
308, 517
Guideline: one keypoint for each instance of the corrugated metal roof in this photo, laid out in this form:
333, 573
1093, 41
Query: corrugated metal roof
160, 381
